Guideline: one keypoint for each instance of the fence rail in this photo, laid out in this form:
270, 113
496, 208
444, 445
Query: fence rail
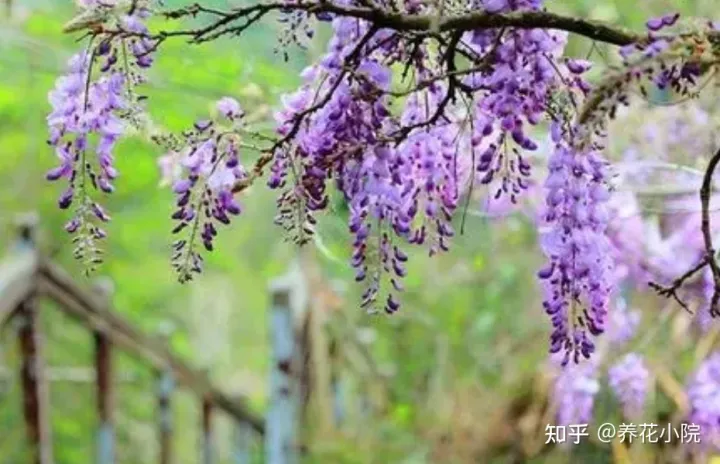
17, 278
25, 277
86, 308
304, 364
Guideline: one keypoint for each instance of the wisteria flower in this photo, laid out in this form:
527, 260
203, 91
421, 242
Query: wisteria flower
630, 381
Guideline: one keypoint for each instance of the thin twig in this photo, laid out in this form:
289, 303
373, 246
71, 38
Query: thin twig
672, 289
300, 117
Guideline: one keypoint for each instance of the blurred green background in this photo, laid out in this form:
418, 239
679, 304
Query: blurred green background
468, 339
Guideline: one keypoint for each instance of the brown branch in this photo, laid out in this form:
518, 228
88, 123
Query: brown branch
236, 30
474, 20
449, 59
193, 11
672, 289
454, 84
706, 231
709, 258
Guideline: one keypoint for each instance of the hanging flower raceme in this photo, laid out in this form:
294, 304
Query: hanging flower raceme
630, 381
703, 393
372, 184
210, 168
576, 280
431, 175
84, 128
515, 91
341, 137
92, 104
372, 202
574, 393
623, 323
671, 63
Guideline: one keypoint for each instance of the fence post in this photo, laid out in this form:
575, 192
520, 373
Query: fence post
166, 385
165, 388
280, 439
242, 439
337, 386
104, 385
338, 391
36, 400
207, 435
337, 383
242, 443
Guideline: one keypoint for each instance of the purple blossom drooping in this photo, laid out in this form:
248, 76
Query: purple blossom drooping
519, 87
703, 392
630, 381
92, 105
623, 323
402, 173
656, 24
210, 169
429, 159
657, 59
576, 280
574, 392
229, 108
78, 119
341, 140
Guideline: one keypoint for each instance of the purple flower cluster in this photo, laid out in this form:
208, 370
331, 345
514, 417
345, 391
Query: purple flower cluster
91, 106
204, 189
428, 158
139, 45
406, 190
669, 63
574, 394
410, 190
665, 62
76, 115
576, 280
502, 6
630, 381
703, 393
516, 92
661, 248
623, 323
401, 172
342, 139
84, 112
526, 73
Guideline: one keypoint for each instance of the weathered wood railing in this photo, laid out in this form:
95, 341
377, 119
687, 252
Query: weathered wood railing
305, 364
26, 276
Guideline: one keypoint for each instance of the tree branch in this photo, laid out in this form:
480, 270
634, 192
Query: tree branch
709, 258
672, 289
706, 231
474, 20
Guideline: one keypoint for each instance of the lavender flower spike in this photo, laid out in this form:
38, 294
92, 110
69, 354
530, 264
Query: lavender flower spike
630, 381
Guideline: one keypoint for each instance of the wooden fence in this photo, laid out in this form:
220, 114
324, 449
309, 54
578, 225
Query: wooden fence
305, 366
27, 276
